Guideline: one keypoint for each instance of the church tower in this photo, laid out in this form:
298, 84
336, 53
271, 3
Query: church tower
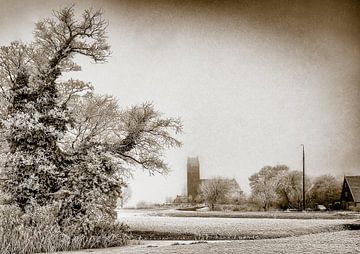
193, 177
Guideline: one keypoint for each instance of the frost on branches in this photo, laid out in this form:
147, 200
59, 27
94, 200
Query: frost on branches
63, 144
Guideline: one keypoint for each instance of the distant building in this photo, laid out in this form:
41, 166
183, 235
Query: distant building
180, 199
194, 181
350, 194
193, 178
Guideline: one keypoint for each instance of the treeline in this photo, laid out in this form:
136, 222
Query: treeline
279, 187
272, 187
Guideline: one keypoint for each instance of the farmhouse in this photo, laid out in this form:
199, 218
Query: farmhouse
350, 194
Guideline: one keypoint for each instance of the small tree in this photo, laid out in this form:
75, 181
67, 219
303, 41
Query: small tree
326, 189
265, 183
290, 189
237, 198
213, 191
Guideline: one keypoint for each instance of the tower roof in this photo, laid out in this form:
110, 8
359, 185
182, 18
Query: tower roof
193, 161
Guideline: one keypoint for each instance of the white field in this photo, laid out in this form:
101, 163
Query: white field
333, 242
306, 237
143, 221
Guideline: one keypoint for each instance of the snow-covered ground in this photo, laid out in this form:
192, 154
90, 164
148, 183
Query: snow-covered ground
297, 235
332, 242
145, 221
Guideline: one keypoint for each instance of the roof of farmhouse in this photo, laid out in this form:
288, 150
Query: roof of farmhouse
354, 185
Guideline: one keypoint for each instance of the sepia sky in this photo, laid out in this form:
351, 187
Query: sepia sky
252, 80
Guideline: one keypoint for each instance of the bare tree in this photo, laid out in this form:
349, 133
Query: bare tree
290, 189
265, 183
213, 191
136, 136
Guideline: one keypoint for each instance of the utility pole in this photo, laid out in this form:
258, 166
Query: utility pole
304, 201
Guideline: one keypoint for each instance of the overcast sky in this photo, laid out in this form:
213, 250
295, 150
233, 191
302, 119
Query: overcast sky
251, 80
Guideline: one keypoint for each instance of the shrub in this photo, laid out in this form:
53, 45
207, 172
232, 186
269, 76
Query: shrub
245, 207
146, 205
37, 230
34, 231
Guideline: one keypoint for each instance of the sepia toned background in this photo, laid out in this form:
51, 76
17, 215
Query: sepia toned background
252, 80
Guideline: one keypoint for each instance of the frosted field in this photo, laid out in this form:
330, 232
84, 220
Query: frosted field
298, 235
334, 242
265, 228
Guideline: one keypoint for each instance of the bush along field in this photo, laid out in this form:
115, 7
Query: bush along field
39, 231
66, 152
